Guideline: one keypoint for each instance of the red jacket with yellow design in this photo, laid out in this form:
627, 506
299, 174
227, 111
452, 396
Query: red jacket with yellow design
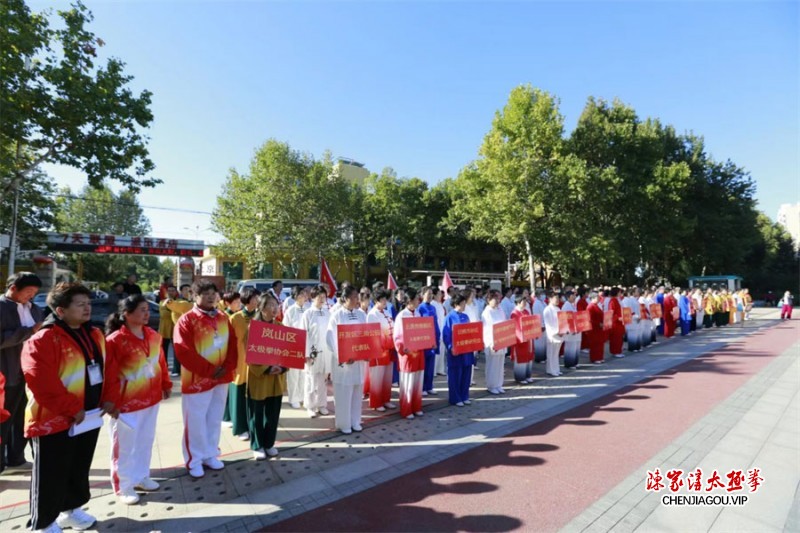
203, 343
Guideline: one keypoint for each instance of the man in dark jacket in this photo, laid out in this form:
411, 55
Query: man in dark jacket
19, 319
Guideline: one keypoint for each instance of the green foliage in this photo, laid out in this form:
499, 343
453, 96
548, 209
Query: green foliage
37, 210
61, 105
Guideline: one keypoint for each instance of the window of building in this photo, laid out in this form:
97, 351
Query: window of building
313, 272
263, 271
232, 270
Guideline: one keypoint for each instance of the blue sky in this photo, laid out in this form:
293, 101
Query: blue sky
414, 85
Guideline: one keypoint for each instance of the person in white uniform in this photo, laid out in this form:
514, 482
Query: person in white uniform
554, 340
295, 377
492, 315
572, 340
319, 358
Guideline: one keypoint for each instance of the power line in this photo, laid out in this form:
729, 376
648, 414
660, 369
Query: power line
128, 204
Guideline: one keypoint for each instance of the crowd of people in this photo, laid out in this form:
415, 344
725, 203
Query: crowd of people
75, 374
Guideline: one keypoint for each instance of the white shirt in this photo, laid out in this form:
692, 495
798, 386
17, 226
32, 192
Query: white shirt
550, 319
507, 304
293, 316
315, 322
384, 318
398, 324
633, 304
490, 317
345, 374
472, 312
25, 317
440, 314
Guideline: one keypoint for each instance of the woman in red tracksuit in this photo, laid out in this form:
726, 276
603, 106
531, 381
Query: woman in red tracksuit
136, 381
617, 333
597, 337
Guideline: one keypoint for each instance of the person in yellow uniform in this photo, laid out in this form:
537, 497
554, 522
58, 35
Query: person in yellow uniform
182, 303
266, 386
165, 322
708, 309
237, 391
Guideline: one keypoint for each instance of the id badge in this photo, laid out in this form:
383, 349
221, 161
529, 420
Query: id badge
219, 342
95, 374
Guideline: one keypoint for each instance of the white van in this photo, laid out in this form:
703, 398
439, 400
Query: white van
263, 285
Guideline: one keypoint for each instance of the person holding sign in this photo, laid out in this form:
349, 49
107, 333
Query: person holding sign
597, 337
615, 336
63, 365
411, 364
522, 352
348, 376
237, 390
426, 308
265, 387
318, 355
440, 365
205, 345
459, 367
540, 343
137, 380
670, 323
493, 314
633, 328
572, 340
380, 367
554, 340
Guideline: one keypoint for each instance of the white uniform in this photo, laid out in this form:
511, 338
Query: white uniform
315, 322
554, 340
295, 378
633, 330
700, 313
507, 305
440, 366
348, 379
494, 358
540, 344
572, 341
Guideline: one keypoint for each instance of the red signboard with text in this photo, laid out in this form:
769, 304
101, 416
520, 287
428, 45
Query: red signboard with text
275, 345
563, 322
655, 311
627, 315
504, 334
608, 320
418, 333
583, 321
467, 338
358, 341
529, 327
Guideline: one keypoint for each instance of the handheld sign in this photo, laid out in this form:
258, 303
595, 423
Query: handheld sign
418, 333
655, 311
528, 328
467, 338
563, 323
583, 321
275, 345
608, 320
358, 341
643, 311
504, 334
627, 315
676, 313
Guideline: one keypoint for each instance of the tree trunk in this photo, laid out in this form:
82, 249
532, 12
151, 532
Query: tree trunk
531, 267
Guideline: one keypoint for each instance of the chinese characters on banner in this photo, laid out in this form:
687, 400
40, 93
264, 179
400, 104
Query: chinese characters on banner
583, 321
655, 311
676, 313
418, 333
627, 315
467, 338
529, 327
608, 320
275, 345
358, 341
563, 322
504, 334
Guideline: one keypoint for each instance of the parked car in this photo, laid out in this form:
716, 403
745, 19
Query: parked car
102, 308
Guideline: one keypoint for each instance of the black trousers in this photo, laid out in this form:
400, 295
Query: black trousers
12, 431
60, 479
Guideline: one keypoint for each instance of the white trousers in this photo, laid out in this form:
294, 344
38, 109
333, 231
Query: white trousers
440, 366
347, 403
315, 394
572, 344
132, 447
494, 368
553, 347
202, 421
295, 384
699, 317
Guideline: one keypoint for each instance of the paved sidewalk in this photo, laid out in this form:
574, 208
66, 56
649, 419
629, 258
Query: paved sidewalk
318, 466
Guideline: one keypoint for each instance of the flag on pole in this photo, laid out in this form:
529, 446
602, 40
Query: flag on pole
391, 284
446, 281
326, 277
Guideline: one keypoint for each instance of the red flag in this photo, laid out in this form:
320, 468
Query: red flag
326, 277
446, 281
391, 284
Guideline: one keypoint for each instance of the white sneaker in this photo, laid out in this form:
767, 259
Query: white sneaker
433, 392
197, 471
493, 391
148, 484
244, 436
619, 355
324, 411
467, 402
501, 390
346, 431
380, 409
129, 497
390, 405
295, 405
227, 424
460, 404
52, 528
77, 519
530, 380
311, 413
410, 417
259, 455
214, 464
424, 393
272, 452
419, 413
357, 428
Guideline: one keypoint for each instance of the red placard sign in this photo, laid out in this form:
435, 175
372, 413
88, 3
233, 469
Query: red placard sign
504, 334
655, 311
418, 333
676, 313
358, 341
275, 345
627, 315
563, 322
608, 320
643, 311
583, 321
467, 338
529, 327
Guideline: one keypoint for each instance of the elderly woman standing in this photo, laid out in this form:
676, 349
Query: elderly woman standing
63, 365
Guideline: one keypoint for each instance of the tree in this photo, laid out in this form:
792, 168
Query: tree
59, 107
507, 191
37, 213
289, 207
100, 210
